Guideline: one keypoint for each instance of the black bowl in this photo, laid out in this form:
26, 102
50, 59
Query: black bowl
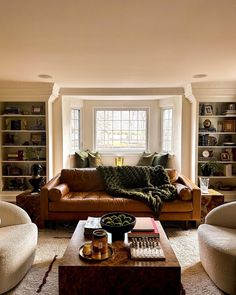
118, 223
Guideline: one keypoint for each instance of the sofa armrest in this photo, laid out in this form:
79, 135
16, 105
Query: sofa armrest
196, 195
44, 196
58, 192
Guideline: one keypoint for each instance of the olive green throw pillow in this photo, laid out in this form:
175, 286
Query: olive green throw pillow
160, 159
146, 159
81, 159
94, 159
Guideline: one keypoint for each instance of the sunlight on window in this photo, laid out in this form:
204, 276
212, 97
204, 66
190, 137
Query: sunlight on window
75, 129
121, 129
167, 129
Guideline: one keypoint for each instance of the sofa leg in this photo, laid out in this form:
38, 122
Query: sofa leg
186, 224
54, 224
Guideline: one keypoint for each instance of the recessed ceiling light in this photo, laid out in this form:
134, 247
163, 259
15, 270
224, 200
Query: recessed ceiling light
198, 76
45, 76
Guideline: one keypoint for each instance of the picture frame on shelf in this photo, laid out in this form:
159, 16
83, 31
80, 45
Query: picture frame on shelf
224, 156
36, 138
208, 109
36, 110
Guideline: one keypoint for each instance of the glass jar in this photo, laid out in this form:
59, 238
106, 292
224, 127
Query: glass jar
99, 244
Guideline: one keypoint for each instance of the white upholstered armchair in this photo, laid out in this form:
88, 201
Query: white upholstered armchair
18, 241
217, 246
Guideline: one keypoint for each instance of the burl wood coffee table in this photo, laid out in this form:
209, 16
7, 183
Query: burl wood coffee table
118, 274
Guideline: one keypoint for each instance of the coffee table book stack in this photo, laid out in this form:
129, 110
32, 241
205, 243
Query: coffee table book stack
91, 224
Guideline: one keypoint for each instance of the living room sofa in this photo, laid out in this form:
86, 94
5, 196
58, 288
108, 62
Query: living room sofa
78, 193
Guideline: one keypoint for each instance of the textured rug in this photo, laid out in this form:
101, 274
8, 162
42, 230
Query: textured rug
43, 276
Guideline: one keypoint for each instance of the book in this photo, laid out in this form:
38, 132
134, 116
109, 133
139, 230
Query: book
91, 224
145, 224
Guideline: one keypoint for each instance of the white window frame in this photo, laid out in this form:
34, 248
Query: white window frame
163, 131
78, 146
121, 150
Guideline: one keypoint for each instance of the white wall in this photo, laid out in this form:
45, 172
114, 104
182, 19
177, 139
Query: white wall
176, 103
186, 137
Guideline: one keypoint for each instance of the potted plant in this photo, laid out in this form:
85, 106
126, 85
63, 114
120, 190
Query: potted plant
210, 168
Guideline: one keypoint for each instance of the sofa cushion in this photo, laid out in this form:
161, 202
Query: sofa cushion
184, 192
146, 159
94, 159
100, 201
81, 159
160, 159
80, 180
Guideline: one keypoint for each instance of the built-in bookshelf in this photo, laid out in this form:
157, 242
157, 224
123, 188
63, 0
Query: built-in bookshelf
217, 145
23, 143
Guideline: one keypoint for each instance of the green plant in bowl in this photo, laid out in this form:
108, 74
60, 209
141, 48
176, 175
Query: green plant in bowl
118, 223
211, 168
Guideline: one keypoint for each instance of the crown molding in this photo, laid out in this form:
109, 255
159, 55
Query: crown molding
121, 91
188, 92
214, 89
25, 91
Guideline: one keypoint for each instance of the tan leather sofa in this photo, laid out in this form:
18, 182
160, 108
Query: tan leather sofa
78, 193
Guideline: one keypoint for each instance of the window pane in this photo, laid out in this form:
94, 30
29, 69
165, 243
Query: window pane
116, 125
167, 129
127, 129
75, 129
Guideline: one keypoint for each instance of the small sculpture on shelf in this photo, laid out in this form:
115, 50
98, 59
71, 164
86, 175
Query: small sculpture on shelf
37, 181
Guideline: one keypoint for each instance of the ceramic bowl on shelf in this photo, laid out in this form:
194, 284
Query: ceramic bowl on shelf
118, 223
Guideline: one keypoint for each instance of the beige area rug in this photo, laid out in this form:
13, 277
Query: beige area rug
53, 242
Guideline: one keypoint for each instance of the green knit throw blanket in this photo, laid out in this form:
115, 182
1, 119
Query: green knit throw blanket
145, 183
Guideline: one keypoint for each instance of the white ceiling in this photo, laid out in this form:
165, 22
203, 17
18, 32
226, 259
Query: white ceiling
118, 43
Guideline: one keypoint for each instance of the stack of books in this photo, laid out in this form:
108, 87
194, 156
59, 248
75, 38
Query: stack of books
145, 225
91, 224
203, 140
